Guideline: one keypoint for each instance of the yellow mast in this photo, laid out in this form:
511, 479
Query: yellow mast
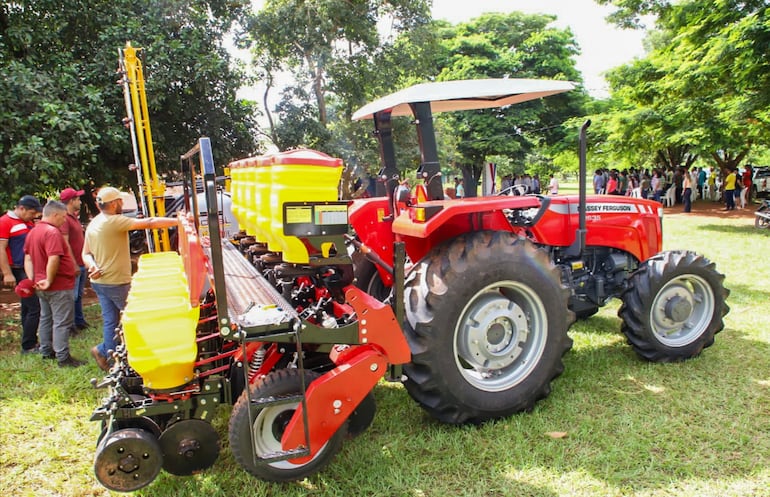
152, 190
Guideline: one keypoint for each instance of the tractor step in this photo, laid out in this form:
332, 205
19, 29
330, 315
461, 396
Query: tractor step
283, 455
252, 302
263, 402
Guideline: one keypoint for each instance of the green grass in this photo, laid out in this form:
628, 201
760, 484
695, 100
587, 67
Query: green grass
632, 428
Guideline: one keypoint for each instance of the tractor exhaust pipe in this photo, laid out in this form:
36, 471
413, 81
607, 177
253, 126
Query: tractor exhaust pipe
577, 247
582, 182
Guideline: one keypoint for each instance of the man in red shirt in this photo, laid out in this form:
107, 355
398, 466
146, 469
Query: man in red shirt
48, 259
14, 226
73, 233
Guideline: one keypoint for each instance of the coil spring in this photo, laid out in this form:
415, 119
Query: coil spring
256, 363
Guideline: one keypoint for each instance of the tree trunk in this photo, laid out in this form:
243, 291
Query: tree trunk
726, 160
316, 69
268, 86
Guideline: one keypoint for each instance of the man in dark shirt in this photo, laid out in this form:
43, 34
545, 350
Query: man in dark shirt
14, 226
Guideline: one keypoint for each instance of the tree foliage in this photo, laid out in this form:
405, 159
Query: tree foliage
329, 48
702, 89
512, 45
61, 111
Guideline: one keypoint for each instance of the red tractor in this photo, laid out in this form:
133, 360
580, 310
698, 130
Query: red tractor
495, 282
468, 302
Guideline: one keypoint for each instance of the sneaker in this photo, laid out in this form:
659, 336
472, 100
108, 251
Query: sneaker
101, 361
82, 326
48, 356
33, 350
70, 362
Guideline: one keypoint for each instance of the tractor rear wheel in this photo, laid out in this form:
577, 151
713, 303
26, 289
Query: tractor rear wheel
486, 320
268, 427
674, 306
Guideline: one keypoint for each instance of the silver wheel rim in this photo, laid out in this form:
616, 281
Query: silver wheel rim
265, 438
682, 310
501, 336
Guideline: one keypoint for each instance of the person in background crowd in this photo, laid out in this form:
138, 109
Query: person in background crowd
598, 182
73, 234
729, 185
686, 191
49, 262
746, 190
612, 184
644, 185
536, 184
656, 185
14, 227
553, 185
702, 182
459, 188
107, 259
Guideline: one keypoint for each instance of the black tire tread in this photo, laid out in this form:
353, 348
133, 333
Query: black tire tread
279, 382
429, 295
646, 281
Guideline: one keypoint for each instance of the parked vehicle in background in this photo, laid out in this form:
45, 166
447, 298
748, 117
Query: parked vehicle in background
762, 216
760, 183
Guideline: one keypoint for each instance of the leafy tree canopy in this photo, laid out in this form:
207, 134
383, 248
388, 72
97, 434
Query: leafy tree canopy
512, 45
701, 90
61, 111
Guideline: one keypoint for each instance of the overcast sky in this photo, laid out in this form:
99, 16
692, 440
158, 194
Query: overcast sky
603, 46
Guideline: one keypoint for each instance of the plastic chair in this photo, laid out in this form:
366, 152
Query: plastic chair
669, 199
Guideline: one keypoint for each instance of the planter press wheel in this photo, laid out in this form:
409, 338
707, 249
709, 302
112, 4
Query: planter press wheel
128, 460
267, 428
189, 446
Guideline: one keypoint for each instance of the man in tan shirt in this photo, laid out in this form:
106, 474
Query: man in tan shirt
107, 258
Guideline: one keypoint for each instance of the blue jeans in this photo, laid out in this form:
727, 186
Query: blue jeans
80, 286
55, 323
112, 299
730, 199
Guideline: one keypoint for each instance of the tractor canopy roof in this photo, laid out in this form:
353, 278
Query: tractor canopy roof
464, 94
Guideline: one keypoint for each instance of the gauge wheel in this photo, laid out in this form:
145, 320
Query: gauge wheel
268, 426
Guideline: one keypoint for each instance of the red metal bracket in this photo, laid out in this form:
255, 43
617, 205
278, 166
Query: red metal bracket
332, 398
377, 325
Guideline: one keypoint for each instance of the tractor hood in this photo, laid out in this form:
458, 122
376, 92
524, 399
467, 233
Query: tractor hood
464, 95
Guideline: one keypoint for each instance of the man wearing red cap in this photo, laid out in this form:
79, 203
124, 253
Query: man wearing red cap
48, 260
73, 234
14, 226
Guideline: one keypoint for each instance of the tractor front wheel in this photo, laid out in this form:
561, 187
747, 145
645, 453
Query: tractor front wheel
267, 428
487, 319
673, 306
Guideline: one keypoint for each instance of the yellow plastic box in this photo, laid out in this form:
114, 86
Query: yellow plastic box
298, 176
160, 339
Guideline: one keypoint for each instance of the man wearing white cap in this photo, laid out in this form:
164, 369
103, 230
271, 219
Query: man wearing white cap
73, 233
107, 258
